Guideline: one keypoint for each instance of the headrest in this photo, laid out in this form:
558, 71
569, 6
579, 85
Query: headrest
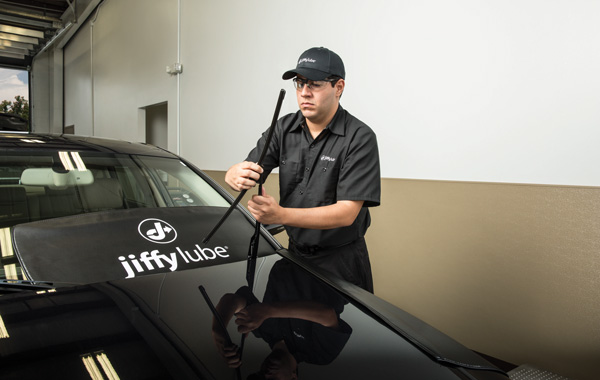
103, 194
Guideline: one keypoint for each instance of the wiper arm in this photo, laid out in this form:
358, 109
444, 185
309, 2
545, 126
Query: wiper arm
253, 250
262, 156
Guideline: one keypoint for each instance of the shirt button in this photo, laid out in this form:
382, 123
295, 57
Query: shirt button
283, 162
324, 169
306, 169
301, 192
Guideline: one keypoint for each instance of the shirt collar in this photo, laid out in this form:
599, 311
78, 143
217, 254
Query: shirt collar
335, 126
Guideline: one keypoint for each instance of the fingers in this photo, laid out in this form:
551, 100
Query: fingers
265, 209
258, 200
229, 352
253, 166
245, 322
242, 318
243, 176
255, 207
250, 170
263, 199
232, 356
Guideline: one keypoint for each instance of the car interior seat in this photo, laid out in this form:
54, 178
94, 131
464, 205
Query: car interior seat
103, 194
13, 206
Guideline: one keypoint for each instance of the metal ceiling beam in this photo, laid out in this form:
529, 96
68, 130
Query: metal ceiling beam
16, 38
10, 49
11, 55
41, 15
18, 45
51, 24
29, 22
21, 31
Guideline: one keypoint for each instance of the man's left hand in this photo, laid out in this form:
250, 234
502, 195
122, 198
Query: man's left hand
265, 208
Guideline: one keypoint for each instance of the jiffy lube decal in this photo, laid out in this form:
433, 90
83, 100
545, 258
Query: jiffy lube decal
160, 232
157, 231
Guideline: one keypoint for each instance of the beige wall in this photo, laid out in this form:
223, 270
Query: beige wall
509, 270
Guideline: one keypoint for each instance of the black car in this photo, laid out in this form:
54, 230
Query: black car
107, 273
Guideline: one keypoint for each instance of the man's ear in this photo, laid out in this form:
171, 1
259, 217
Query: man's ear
339, 87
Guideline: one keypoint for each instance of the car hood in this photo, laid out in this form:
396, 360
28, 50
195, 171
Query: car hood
161, 326
110, 245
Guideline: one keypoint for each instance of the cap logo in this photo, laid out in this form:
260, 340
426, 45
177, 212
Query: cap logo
307, 60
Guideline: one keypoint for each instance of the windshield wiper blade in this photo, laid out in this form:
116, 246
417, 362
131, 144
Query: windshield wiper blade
262, 156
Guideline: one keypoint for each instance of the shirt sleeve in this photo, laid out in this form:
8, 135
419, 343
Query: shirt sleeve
360, 178
271, 159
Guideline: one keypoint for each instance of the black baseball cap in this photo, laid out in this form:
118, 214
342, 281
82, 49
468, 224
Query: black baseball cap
318, 63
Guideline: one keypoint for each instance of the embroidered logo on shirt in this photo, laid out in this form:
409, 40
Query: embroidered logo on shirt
327, 158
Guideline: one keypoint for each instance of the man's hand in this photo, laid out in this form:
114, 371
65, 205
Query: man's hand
265, 209
252, 316
231, 353
243, 176
228, 305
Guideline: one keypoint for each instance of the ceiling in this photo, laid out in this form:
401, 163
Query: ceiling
26, 26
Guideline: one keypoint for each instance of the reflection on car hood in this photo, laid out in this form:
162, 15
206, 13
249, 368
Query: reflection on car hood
160, 326
140, 242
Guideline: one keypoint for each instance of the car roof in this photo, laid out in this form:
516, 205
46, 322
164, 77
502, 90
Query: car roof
43, 141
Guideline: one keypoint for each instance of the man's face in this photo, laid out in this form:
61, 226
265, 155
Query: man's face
279, 365
318, 105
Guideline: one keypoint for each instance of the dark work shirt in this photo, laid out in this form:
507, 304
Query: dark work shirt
342, 163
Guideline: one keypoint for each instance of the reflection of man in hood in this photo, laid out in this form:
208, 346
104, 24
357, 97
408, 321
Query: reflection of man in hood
280, 365
298, 318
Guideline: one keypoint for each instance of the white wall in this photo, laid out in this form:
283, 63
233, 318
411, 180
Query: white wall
470, 90
78, 83
47, 92
116, 65
501, 91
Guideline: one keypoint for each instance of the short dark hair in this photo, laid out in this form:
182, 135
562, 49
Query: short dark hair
333, 79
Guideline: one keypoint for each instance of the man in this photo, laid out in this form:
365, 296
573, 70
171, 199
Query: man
299, 318
328, 172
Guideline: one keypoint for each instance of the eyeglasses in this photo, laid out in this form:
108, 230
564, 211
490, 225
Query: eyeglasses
314, 85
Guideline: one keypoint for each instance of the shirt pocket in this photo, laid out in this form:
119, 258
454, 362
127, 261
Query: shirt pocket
289, 173
324, 189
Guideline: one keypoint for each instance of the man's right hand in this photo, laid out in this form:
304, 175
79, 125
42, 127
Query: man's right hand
243, 176
229, 352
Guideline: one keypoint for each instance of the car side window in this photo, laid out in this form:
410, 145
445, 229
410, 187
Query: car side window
180, 185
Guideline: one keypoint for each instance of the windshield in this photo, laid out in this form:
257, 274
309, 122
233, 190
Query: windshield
45, 185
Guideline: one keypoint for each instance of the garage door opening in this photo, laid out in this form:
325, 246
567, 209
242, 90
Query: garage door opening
14, 95
156, 124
